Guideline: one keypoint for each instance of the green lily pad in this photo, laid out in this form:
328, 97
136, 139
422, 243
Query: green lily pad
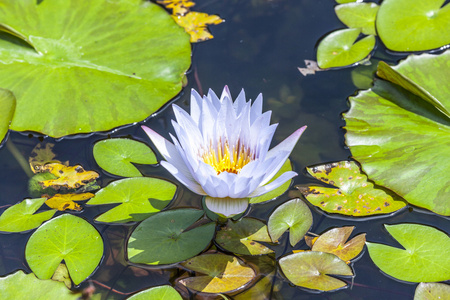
358, 15
401, 139
353, 195
222, 273
293, 215
67, 238
432, 291
164, 292
339, 48
310, 269
345, 1
21, 216
7, 108
140, 198
241, 237
424, 257
26, 286
117, 155
163, 239
83, 66
413, 25
287, 166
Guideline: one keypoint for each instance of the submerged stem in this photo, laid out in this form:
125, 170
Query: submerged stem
19, 157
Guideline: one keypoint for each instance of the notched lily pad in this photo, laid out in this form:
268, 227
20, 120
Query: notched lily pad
168, 237
335, 241
424, 257
241, 237
310, 269
358, 15
293, 215
218, 273
117, 156
353, 195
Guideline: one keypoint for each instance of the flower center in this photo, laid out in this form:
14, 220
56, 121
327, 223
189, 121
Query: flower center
224, 158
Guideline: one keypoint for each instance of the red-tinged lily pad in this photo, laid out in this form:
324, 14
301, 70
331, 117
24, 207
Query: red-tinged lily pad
335, 241
354, 195
432, 291
311, 269
424, 257
241, 237
218, 273
293, 215
399, 131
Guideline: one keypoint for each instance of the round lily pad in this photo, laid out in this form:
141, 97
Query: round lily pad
432, 291
117, 155
413, 25
358, 15
67, 238
83, 66
164, 239
340, 48
7, 107
164, 292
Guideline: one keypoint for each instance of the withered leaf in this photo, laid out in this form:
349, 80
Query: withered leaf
68, 177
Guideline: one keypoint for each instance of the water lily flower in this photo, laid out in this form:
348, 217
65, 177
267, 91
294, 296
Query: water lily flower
221, 150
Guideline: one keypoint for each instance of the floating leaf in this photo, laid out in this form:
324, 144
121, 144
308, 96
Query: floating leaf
7, 108
432, 291
346, 1
62, 274
117, 64
66, 201
164, 239
334, 241
117, 155
354, 195
400, 139
424, 257
223, 273
67, 238
41, 155
21, 216
260, 290
164, 292
427, 20
293, 215
310, 269
26, 286
287, 166
339, 49
67, 177
241, 237
140, 198
179, 7
195, 23
358, 15
311, 68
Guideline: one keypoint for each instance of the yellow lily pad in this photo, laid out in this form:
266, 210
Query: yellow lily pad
66, 201
178, 7
195, 23
68, 177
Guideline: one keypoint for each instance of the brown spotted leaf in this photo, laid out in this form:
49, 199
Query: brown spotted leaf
41, 155
68, 177
195, 23
335, 241
178, 7
66, 201
353, 195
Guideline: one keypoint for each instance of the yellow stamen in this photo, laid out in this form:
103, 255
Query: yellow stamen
228, 159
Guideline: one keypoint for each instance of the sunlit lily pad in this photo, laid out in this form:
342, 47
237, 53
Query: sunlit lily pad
164, 292
424, 257
340, 48
26, 286
432, 291
70, 177
241, 237
293, 215
139, 198
310, 269
163, 239
83, 66
400, 139
22, 217
358, 15
413, 25
335, 241
353, 195
66, 201
7, 108
117, 156
222, 273
67, 238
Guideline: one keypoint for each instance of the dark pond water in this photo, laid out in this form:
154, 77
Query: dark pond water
258, 48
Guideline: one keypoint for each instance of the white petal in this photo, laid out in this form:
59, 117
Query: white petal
274, 184
256, 109
196, 106
226, 207
239, 102
192, 185
213, 99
